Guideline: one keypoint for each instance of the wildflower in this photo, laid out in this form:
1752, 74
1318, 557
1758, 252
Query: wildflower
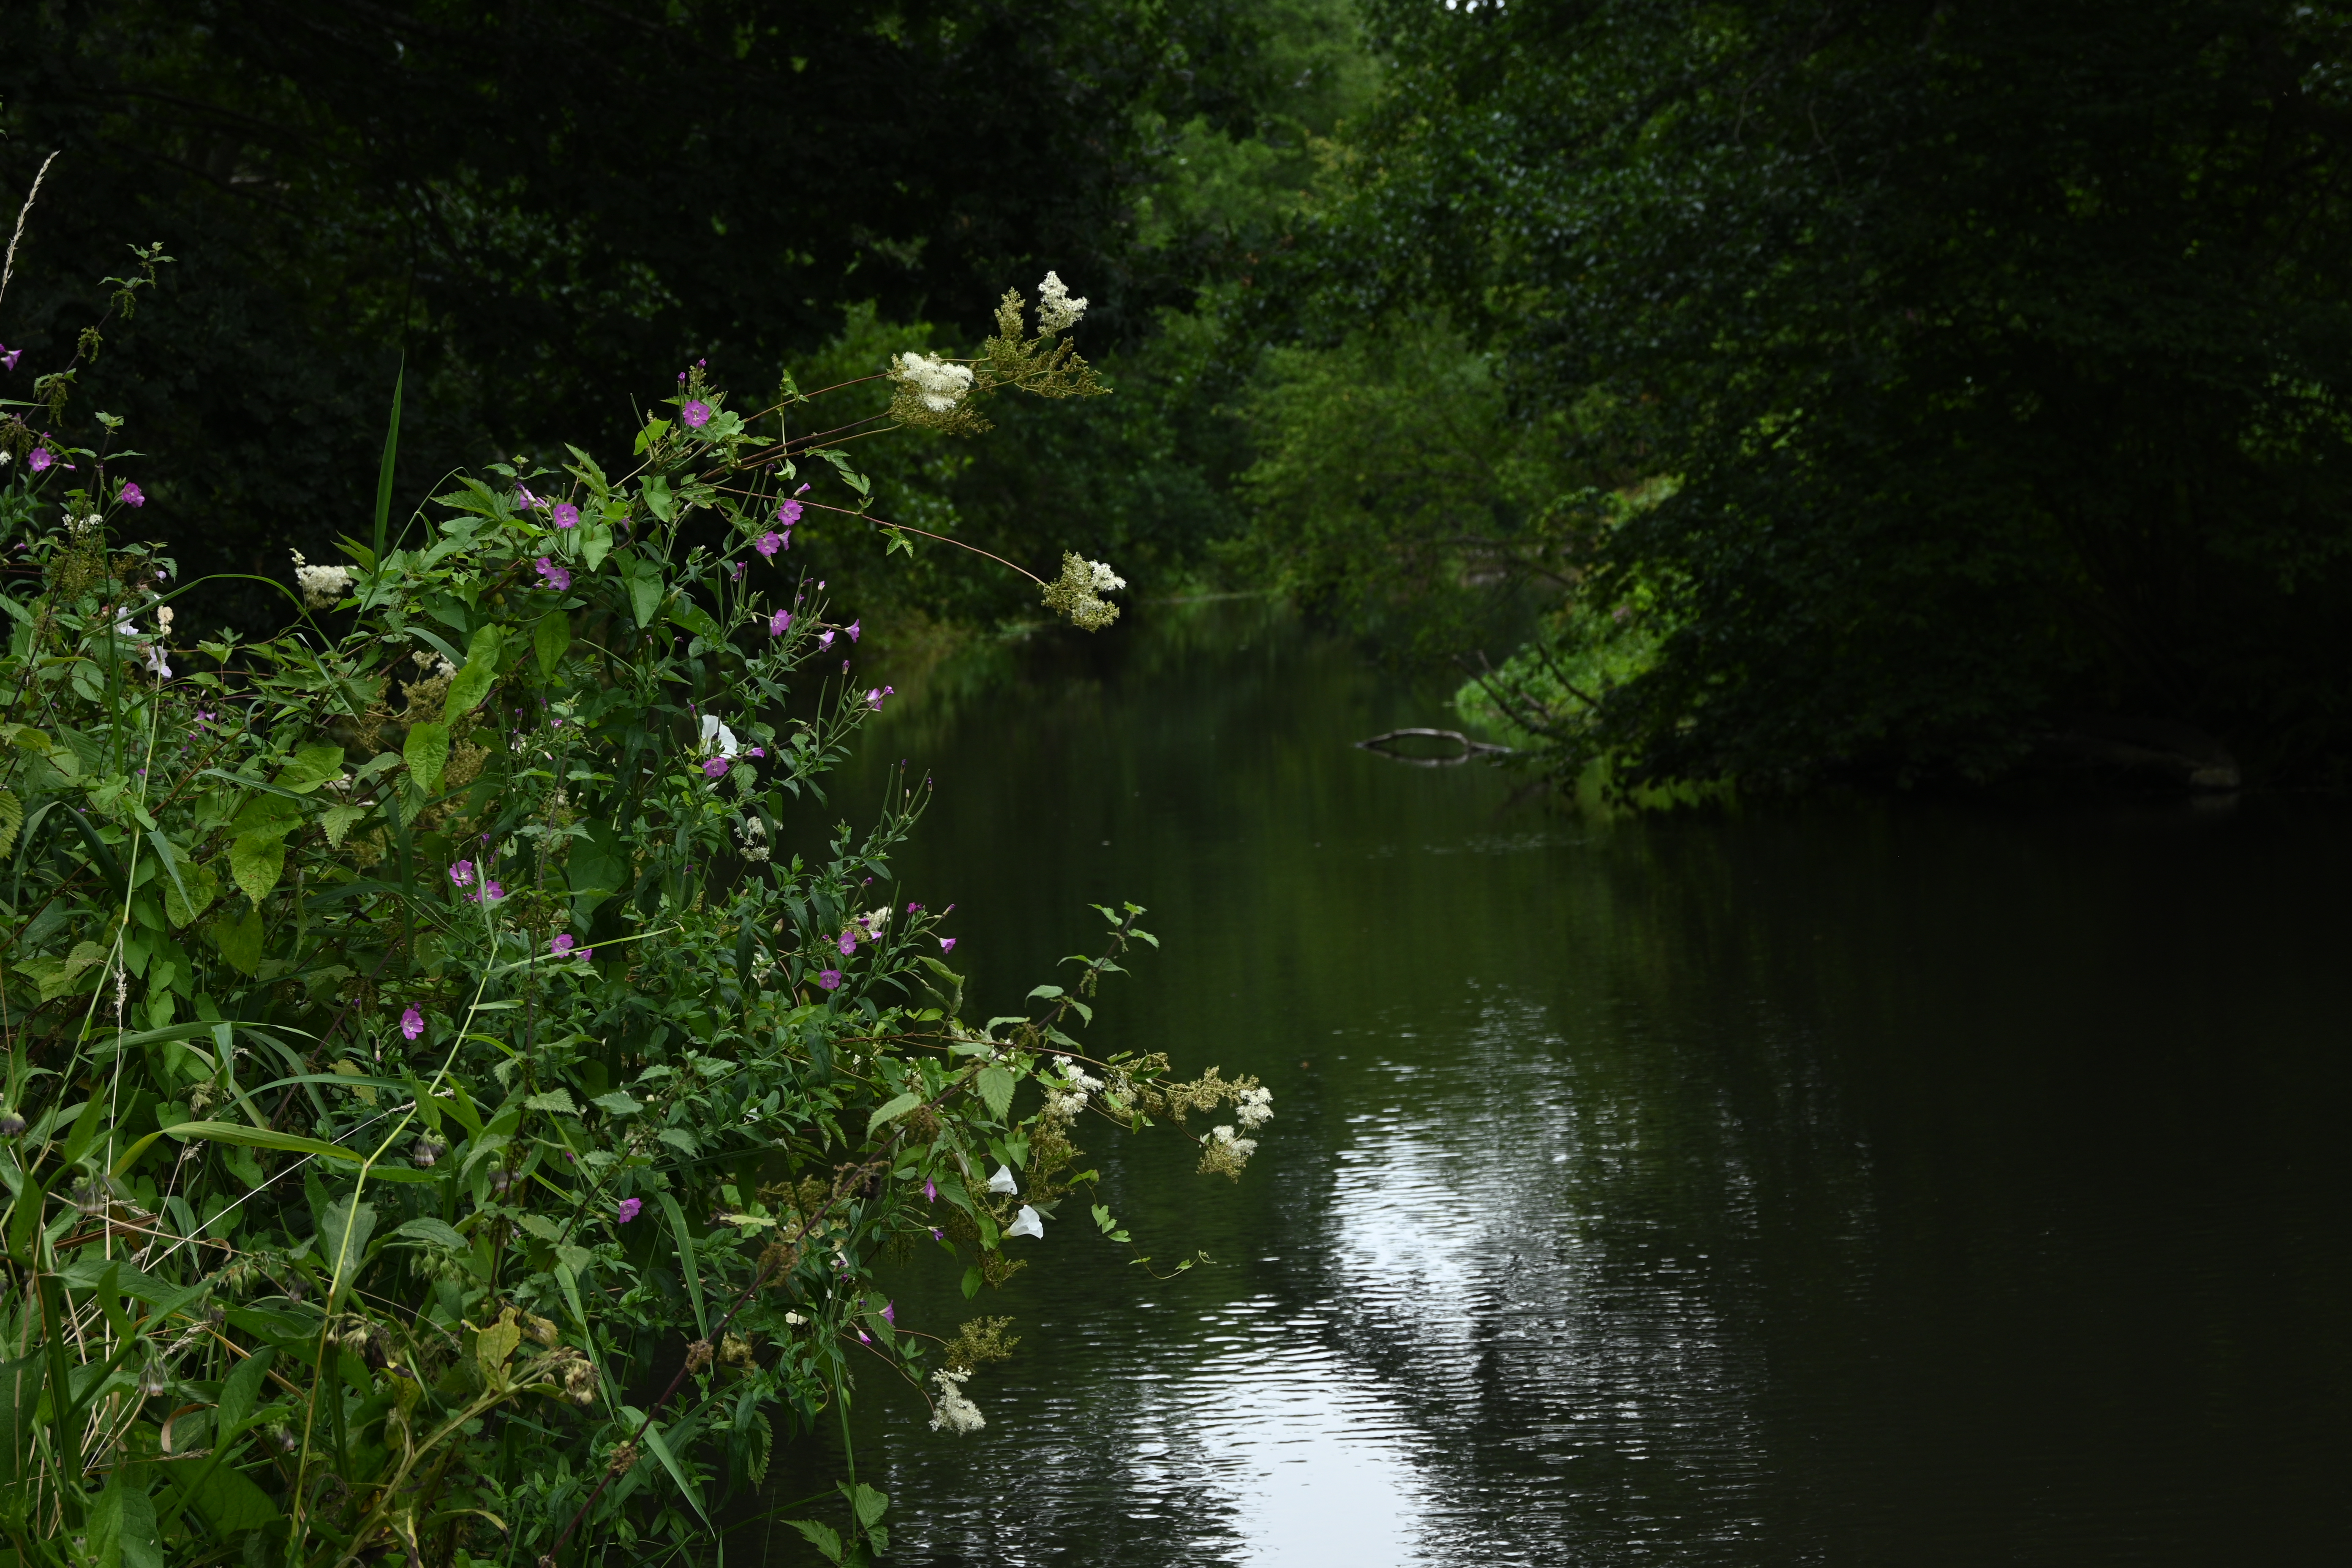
914, 909
938, 1235
40, 459
133, 497
1056, 311
1253, 1108
628, 1210
874, 697
947, 944
716, 738
937, 385
864, 1338
563, 944
931, 1191
794, 1319
566, 515
530, 502
890, 1313
823, 640
412, 1021
557, 577
830, 979
788, 512
320, 585
955, 1412
873, 921
854, 629
715, 768
849, 944
490, 892
780, 623
426, 1154
1002, 1182
156, 667
1026, 1223
1241, 1147
770, 543
695, 414
462, 873
1078, 592
8, 357
757, 751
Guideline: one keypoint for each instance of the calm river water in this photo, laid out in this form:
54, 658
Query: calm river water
1837, 1184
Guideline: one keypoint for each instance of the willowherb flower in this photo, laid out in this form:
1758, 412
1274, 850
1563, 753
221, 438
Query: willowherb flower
830, 979
462, 873
695, 414
322, 585
930, 1187
8, 357
132, 496
412, 1021
769, 543
563, 944
1078, 592
40, 460
1026, 1223
788, 512
848, 942
1056, 311
627, 1210
714, 768
855, 629
823, 640
565, 515
557, 577
938, 384
780, 623
954, 1412
874, 697
947, 944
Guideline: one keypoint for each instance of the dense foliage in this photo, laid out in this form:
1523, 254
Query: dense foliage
443, 1124
1988, 360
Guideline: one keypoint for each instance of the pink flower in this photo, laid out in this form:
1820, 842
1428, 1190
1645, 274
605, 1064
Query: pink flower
789, 513
947, 944
412, 1021
931, 1190
780, 623
462, 873
770, 543
853, 631
628, 1209
848, 942
566, 515
757, 751
562, 945
132, 496
824, 639
830, 979
490, 890
40, 459
890, 1312
557, 577
873, 697
716, 768
8, 357
695, 414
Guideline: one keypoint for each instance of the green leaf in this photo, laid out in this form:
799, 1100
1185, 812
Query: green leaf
230, 1502
427, 751
383, 473
660, 1446
823, 1537
433, 1233
689, 1265
618, 1103
11, 817
646, 597
658, 501
971, 1282
549, 640
122, 1532
257, 860
338, 821
311, 766
191, 893
466, 692
1047, 992
262, 1138
995, 1085
555, 1099
871, 1505
539, 1226
896, 1108
344, 1244
240, 1394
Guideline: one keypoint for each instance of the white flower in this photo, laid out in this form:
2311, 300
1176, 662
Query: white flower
1243, 1148
1078, 592
1056, 311
1026, 1223
718, 740
956, 1412
155, 665
794, 1319
320, 585
163, 618
939, 384
873, 921
1003, 1181
1254, 1109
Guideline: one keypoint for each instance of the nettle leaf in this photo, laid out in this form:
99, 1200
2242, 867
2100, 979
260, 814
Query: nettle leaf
995, 1085
338, 822
11, 817
311, 766
427, 751
554, 1099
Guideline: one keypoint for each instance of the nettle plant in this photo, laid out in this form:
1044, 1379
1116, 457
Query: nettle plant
442, 1124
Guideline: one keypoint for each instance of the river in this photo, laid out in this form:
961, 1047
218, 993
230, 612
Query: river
1843, 1181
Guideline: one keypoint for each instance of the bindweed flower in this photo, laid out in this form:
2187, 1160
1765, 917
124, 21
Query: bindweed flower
770, 543
890, 1313
156, 666
695, 414
938, 1235
830, 979
954, 1413
133, 497
566, 515
412, 1021
557, 577
780, 623
462, 873
1003, 1181
627, 1210
1056, 311
947, 944
1026, 1223
715, 768
1078, 592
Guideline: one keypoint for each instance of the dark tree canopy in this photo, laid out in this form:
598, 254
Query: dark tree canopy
548, 207
1998, 351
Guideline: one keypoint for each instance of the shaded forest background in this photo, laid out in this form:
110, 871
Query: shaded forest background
1787, 391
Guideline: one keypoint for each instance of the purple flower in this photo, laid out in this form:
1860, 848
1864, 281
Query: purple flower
824, 639
938, 1235
853, 631
412, 1021
770, 543
557, 577
873, 697
695, 414
566, 515
737, 573
830, 979
780, 623
530, 501
914, 909
890, 1312
757, 751
462, 873
789, 513
628, 1209
8, 357
490, 890
40, 459
133, 497
931, 1190
864, 1338
716, 768
562, 945
947, 944
848, 942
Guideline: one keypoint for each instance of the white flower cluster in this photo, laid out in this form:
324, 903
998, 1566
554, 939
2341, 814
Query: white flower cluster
1056, 311
1254, 1109
955, 1412
939, 383
322, 585
435, 666
1239, 1147
1078, 592
1065, 1100
753, 840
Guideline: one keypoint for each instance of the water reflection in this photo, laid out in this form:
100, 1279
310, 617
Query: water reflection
1843, 1184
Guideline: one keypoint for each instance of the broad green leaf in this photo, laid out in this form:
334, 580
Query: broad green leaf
549, 640
311, 766
240, 1394
57, 976
257, 860
201, 886
435, 1232
427, 751
466, 692
896, 1108
11, 817
495, 1343
338, 821
871, 1505
555, 1099
230, 1502
343, 1243
646, 597
658, 500
618, 1103
823, 1537
539, 1226
995, 1085
123, 1531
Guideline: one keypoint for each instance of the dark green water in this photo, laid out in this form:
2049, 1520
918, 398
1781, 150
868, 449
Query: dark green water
1843, 1183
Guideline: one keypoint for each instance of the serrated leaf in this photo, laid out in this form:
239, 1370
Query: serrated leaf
257, 860
311, 766
892, 1112
427, 751
823, 1537
555, 1099
1047, 992
618, 1103
995, 1085
11, 817
466, 690
871, 1505
679, 1139
338, 821
539, 1226
494, 1344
